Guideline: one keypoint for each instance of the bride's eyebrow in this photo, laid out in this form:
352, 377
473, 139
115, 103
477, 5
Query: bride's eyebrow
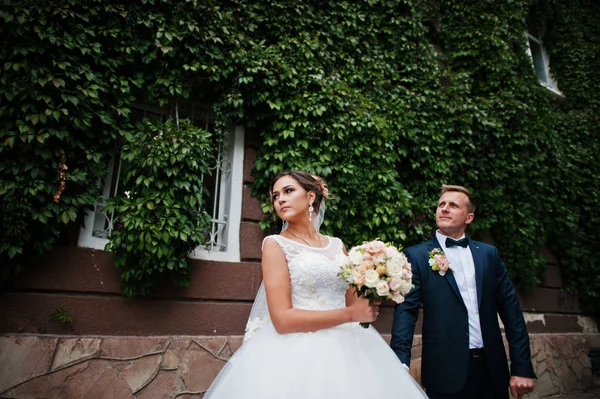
284, 188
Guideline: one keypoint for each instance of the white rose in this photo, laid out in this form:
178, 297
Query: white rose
391, 252
355, 256
382, 287
371, 278
405, 287
349, 278
394, 267
341, 259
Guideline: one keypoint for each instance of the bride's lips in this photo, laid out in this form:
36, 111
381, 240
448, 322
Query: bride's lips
284, 208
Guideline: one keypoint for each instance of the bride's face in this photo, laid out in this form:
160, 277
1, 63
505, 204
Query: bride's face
290, 200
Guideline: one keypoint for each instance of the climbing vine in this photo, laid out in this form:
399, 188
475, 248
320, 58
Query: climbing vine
386, 100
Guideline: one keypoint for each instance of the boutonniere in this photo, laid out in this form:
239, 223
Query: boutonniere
439, 262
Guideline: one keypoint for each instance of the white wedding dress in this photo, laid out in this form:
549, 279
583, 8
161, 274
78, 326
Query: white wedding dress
346, 361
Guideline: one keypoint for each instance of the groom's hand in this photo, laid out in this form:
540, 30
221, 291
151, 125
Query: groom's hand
520, 386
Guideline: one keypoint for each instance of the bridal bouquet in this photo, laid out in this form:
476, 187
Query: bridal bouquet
377, 271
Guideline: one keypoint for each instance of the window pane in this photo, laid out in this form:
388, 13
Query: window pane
539, 62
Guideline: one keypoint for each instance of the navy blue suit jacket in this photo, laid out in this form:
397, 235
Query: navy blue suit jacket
445, 351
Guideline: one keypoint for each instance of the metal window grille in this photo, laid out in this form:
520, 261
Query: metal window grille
217, 181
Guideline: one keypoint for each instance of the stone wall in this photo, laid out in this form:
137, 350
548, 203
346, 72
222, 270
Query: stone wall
65, 367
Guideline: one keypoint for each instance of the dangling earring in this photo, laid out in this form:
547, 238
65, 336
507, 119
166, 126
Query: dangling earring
310, 212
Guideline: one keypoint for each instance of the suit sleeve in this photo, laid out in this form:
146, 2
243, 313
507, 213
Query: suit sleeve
514, 323
405, 316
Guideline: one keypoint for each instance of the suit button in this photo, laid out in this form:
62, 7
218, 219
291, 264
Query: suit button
466, 334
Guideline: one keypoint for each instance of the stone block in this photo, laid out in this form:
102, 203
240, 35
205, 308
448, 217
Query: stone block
108, 385
132, 347
249, 159
74, 350
251, 237
167, 384
251, 206
140, 372
22, 358
213, 345
199, 368
170, 361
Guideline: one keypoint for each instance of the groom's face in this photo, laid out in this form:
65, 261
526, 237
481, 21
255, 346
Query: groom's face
452, 215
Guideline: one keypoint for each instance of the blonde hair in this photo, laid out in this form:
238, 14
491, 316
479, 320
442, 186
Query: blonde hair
460, 189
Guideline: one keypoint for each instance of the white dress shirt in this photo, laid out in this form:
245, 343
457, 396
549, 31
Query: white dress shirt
463, 268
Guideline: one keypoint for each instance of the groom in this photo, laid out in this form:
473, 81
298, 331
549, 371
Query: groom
463, 355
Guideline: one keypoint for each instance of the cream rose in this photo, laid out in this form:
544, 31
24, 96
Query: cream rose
371, 278
382, 287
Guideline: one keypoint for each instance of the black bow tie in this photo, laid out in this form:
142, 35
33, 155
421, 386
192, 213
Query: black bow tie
451, 242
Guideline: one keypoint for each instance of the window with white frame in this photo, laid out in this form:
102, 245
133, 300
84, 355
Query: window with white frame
541, 64
537, 51
224, 184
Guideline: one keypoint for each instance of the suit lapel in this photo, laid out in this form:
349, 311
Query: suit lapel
449, 276
478, 262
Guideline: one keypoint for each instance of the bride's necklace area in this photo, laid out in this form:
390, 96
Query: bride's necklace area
307, 243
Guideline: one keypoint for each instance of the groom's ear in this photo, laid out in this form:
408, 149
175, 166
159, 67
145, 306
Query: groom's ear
470, 217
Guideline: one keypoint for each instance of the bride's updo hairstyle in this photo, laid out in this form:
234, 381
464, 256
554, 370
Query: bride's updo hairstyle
306, 181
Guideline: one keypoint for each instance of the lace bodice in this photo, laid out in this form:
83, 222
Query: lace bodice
315, 284
313, 274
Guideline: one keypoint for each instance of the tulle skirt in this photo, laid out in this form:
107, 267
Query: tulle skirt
346, 362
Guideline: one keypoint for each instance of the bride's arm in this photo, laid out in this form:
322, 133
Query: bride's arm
351, 296
286, 318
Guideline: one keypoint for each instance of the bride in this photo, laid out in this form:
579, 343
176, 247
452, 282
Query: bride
303, 338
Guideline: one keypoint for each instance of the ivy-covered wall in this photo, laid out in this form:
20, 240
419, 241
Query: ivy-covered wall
386, 100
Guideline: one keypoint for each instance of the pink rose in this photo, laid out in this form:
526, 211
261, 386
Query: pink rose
394, 283
397, 297
374, 247
442, 262
358, 277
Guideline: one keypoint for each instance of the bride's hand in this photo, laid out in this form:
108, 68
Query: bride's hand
362, 312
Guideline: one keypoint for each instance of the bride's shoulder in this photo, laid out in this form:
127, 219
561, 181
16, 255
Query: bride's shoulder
276, 238
333, 240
